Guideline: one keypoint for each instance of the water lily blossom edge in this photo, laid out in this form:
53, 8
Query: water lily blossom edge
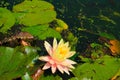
58, 57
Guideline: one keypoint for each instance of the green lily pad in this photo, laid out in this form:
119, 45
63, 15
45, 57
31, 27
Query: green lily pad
42, 31
34, 12
75, 78
50, 77
102, 69
7, 20
14, 62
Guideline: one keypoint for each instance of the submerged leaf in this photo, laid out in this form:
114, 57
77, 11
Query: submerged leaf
106, 35
105, 18
116, 14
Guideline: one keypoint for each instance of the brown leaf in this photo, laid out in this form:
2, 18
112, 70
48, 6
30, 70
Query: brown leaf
115, 47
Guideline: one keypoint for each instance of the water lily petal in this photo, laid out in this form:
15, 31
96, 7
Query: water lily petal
60, 68
70, 54
70, 66
66, 70
44, 58
54, 44
67, 44
46, 66
48, 48
51, 61
54, 68
68, 61
61, 42
70, 69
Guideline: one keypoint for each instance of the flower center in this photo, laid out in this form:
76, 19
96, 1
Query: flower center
61, 53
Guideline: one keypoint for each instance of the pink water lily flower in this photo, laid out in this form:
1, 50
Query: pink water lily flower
58, 57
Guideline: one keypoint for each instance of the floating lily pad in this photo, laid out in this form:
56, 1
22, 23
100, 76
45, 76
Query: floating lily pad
102, 69
7, 20
42, 31
34, 12
50, 77
14, 62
